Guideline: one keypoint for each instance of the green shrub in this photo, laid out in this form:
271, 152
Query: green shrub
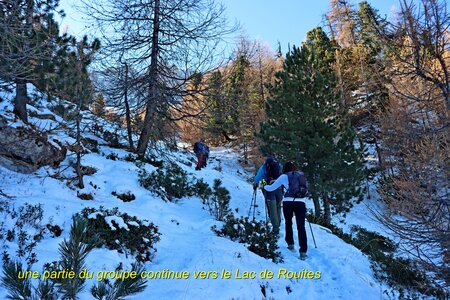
112, 156
370, 242
258, 238
170, 183
90, 144
201, 189
73, 253
219, 201
402, 275
121, 288
130, 157
25, 228
152, 161
137, 238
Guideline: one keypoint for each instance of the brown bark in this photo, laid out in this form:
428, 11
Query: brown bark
20, 103
127, 110
316, 206
153, 72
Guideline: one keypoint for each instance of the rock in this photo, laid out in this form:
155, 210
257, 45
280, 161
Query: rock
24, 150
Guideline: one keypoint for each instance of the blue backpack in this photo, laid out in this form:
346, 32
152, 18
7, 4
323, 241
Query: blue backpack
198, 148
298, 186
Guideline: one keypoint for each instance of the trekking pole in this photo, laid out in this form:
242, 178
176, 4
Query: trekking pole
266, 206
312, 233
252, 204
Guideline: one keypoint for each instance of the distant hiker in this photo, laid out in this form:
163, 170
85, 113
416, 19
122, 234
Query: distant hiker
201, 150
293, 203
268, 173
205, 156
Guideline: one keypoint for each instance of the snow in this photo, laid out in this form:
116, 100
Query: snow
187, 241
94, 215
114, 221
192, 246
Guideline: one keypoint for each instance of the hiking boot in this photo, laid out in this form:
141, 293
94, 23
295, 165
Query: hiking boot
303, 255
291, 247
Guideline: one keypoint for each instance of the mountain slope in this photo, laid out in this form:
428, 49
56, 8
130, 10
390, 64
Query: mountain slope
187, 241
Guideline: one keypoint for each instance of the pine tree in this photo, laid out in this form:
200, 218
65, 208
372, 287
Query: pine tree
219, 121
27, 35
304, 125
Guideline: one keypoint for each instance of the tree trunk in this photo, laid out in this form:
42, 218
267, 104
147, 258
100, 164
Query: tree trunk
78, 170
316, 206
153, 98
127, 110
327, 210
20, 103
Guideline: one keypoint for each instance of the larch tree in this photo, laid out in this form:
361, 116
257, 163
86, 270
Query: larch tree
415, 132
167, 41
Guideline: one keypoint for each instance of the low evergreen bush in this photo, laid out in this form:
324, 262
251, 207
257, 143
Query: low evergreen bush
201, 189
24, 227
401, 274
122, 232
73, 252
169, 183
150, 159
219, 201
256, 235
112, 156
91, 144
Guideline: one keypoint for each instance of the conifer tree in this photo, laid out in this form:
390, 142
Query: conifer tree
304, 125
27, 34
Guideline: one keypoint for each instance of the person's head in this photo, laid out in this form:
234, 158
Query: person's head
269, 158
289, 167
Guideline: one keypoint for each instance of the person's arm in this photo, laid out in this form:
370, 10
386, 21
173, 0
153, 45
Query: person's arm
259, 176
281, 181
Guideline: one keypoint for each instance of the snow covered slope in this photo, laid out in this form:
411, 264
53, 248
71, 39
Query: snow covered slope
187, 241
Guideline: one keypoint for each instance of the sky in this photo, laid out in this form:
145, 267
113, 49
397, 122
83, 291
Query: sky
287, 21
272, 22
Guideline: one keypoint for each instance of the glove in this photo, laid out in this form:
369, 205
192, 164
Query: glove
263, 184
255, 186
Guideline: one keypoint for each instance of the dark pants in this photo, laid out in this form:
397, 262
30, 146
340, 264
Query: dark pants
299, 209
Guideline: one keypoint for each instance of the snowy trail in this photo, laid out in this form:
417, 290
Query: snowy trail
187, 242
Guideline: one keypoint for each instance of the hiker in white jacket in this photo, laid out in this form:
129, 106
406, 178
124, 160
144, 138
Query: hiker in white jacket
296, 187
